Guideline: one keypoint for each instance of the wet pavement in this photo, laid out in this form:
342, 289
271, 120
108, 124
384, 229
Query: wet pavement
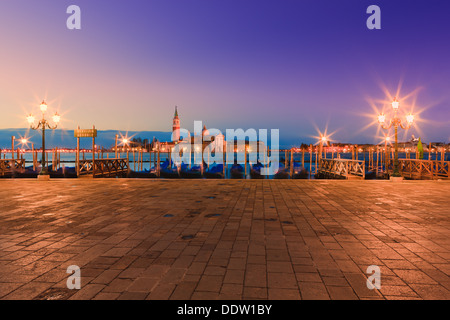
224, 239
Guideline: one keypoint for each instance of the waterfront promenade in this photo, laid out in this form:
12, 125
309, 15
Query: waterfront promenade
224, 239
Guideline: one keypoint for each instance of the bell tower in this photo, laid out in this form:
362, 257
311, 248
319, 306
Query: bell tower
176, 126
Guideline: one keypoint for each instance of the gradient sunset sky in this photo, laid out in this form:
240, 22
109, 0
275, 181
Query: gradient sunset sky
299, 66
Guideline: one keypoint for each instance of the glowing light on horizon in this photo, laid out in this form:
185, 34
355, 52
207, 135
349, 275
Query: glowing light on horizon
125, 139
323, 137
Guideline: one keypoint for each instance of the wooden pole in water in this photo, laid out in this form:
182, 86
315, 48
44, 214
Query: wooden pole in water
310, 160
93, 153
138, 159
77, 155
12, 147
115, 148
285, 158
266, 154
224, 148
291, 169
303, 158
245, 162
158, 164
202, 168
169, 154
378, 154
34, 160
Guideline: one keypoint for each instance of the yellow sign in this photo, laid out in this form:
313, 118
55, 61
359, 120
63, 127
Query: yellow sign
85, 133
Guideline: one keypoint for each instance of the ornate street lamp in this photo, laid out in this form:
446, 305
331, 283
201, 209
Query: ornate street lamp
396, 122
43, 124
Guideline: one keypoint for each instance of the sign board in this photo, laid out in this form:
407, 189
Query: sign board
85, 133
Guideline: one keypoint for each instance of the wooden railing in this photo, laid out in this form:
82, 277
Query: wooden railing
423, 169
103, 167
342, 168
8, 165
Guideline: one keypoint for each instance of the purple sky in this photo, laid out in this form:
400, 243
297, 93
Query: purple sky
290, 64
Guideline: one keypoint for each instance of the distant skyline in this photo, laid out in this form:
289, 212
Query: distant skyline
297, 66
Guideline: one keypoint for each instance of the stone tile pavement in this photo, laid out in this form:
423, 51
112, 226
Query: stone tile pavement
224, 239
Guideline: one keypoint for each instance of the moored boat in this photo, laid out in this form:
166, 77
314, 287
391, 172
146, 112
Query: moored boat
237, 171
194, 172
215, 172
255, 171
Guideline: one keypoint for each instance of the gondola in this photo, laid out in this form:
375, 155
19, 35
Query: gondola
215, 172
255, 171
28, 172
194, 172
168, 172
146, 174
282, 173
299, 172
237, 171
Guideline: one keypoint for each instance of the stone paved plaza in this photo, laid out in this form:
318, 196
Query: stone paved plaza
224, 239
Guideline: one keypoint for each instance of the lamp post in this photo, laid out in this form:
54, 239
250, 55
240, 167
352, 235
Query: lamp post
43, 124
396, 122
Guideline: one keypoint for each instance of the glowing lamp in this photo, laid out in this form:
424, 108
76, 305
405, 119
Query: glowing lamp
43, 106
30, 119
410, 118
381, 118
56, 118
395, 104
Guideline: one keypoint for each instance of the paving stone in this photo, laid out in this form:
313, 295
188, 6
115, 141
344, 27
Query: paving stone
313, 291
342, 293
283, 294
